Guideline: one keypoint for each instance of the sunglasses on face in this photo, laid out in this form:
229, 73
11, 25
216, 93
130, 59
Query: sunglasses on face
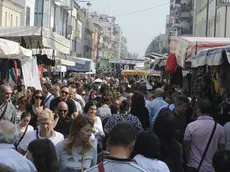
38, 97
60, 111
64, 92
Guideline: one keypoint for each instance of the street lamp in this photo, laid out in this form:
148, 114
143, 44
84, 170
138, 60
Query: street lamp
89, 4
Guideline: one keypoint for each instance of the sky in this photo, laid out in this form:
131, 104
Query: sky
139, 28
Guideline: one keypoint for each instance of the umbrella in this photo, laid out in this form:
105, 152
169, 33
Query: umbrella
11, 49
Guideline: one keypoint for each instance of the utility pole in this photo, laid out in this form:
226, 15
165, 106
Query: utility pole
206, 33
42, 18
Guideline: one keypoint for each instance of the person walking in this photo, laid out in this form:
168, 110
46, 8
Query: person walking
8, 155
121, 143
202, 139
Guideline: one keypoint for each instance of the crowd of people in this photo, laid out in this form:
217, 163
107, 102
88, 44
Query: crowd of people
111, 126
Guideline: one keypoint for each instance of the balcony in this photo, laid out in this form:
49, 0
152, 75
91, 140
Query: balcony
176, 23
66, 4
220, 3
186, 7
186, 31
185, 15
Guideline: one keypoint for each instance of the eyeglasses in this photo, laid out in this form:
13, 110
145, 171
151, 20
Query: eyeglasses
83, 94
38, 97
60, 111
64, 92
8, 93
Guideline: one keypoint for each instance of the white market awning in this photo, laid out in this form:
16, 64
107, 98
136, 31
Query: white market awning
11, 49
36, 37
76, 60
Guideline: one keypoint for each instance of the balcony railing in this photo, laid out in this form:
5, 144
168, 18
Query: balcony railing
223, 2
185, 15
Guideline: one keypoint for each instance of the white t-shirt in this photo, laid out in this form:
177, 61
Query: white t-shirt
98, 126
33, 135
151, 165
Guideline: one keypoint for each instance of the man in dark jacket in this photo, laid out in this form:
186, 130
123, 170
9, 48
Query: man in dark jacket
64, 94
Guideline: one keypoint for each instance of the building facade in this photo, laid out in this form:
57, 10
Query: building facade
111, 34
10, 13
54, 14
96, 41
211, 18
27, 13
180, 19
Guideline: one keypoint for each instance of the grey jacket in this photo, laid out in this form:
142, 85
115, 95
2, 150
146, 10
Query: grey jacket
10, 112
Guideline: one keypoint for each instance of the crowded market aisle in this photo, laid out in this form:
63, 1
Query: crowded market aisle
113, 125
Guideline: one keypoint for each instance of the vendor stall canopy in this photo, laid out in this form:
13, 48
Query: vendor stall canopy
186, 47
211, 57
13, 50
36, 37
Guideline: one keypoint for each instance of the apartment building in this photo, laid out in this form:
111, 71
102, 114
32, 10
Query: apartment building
27, 13
211, 18
180, 18
10, 13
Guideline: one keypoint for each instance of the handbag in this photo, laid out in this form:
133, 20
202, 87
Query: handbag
192, 169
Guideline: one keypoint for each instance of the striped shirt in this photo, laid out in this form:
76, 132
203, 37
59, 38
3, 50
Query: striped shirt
118, 165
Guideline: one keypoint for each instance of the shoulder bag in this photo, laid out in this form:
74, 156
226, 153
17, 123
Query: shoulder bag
191, 169
23, 135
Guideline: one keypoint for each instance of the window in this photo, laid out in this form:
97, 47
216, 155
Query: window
5, 18
11, 20
16, 20
27, 16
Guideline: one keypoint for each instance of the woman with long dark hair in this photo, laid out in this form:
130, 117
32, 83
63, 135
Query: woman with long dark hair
36, 107
139, 109
171, 150
42, 153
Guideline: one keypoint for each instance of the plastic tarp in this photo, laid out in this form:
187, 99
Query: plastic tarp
37, 37
11, 49
31, 73
186, 47
210, 57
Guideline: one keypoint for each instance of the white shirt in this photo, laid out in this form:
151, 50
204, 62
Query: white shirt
33, 135
78, 105
22, 129
98, 126
151, 165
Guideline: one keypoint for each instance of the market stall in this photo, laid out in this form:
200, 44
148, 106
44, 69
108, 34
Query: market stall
186, 47
10, 55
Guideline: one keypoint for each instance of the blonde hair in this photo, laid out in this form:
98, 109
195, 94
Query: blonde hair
78, 123
46, 114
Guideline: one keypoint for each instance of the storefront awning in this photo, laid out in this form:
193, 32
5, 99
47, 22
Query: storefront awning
36, 37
